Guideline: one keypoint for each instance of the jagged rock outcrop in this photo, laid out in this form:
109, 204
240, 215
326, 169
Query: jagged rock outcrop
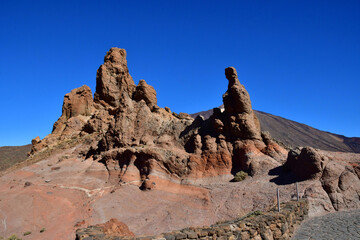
77, 108
147, 93
113, 82
147, 145
231, 139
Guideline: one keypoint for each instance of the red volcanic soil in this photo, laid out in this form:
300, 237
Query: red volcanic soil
61, 196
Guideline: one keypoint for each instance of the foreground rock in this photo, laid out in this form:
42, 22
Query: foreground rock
339, 178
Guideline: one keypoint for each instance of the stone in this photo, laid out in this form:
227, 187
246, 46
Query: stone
145, 92
77, 106
309, 164
113, 81
237, 103
114, 227
36, 140
78, 102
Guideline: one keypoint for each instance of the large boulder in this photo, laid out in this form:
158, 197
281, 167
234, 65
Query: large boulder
338, 178
308, 163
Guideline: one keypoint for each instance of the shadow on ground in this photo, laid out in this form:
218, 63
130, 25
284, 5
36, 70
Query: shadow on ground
282, 177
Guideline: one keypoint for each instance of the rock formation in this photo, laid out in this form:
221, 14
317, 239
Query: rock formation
339, 179
147, 145
104, 150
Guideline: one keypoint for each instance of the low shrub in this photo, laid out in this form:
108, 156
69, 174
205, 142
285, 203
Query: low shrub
13, 237
239, 176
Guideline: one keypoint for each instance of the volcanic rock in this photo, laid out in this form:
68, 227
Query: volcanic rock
308, 164
241, 119
77, 105
36, 140
141, 143
114, 227
145, 92
231, 139
105, 151
338, 178
113, 81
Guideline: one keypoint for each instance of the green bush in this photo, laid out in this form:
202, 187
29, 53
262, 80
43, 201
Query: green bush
14, 237
27, 233
239, 176
255, 213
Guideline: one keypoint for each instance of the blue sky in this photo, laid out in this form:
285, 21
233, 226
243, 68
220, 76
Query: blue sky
297, 59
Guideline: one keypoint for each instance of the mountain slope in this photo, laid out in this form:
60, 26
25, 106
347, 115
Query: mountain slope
9, 156
294, 134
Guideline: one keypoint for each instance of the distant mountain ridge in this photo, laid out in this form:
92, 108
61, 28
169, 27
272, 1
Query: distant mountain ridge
294, 134
10, 155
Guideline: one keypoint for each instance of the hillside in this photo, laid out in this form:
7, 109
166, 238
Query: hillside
9, 156
294, 134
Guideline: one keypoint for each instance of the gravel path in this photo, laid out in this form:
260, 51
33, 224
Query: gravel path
339, 226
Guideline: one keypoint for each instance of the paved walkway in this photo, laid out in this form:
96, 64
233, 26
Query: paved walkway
337, 226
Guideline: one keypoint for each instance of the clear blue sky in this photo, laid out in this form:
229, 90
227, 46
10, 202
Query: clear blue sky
297, 59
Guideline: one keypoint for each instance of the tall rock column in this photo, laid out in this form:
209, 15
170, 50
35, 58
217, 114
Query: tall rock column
113, 81
242, 123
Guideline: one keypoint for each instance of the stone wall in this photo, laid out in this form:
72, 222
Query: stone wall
256, 225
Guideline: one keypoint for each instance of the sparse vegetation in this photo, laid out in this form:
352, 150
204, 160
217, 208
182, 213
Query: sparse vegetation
42, 230
13, 237
240, 176
27, 233
255, 213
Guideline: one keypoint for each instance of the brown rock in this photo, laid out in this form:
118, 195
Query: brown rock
145, 92
114, 227
242, 122
309, 164
138, 138
77, 105
36, 140
113, 81
78, 102
236, 99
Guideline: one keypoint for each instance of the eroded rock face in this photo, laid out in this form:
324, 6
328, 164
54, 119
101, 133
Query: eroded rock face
145, 92
77, 106
339, 179
113, 81
141, 143
232, 138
